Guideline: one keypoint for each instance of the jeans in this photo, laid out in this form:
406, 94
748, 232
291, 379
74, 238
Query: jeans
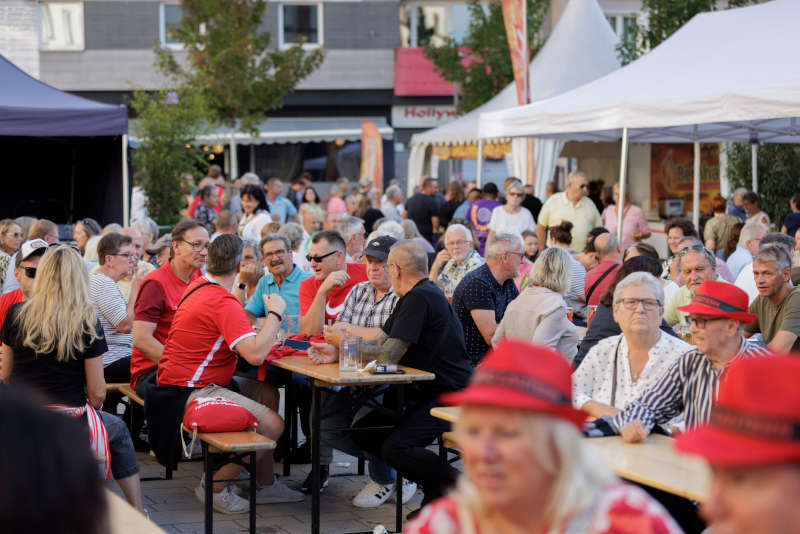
123, 457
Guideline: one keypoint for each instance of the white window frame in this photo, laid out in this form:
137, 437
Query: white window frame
621, 15
80, 42
320, 25
413, 38
162, 28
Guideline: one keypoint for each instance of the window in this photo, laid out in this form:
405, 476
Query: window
429, 24
622, 24
169, 16
300, 24
61, 26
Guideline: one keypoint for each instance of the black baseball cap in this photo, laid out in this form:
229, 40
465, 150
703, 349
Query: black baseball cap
379, 247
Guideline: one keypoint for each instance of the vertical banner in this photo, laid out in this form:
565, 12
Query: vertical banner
372, 154
514, 16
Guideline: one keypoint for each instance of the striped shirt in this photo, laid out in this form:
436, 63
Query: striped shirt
361, 309
690, 386
575, 295
111, 310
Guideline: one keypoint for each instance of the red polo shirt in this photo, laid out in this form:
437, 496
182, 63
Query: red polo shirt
202, 338
335, 299
8, 300
592, 277
159, 295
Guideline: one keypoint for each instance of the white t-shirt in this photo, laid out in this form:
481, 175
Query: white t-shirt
111, 310
747, 283
502, 221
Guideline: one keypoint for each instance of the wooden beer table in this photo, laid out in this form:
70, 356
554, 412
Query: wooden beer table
328, 375
653, 462
125, 519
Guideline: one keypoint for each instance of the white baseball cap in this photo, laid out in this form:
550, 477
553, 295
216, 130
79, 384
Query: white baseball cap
30, 247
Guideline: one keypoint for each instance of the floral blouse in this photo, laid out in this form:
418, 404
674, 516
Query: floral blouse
451, 274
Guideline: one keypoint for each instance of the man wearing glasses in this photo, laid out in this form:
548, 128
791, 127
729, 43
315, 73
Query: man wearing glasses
25, 272
159, 294
283, 279
322, 296
717, 313
572, 205
696, 265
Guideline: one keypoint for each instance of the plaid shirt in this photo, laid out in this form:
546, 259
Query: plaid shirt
361, 309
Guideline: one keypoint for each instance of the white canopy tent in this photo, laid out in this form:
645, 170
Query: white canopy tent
582, 47
725, 76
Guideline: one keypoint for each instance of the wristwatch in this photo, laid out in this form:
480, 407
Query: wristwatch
242, 286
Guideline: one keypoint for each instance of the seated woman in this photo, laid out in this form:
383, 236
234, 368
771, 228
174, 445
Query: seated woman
539, 314
455, 260
621, 368
561, 237
53, 343
255, 213
527, 468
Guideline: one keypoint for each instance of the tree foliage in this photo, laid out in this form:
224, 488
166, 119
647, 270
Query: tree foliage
167, 123
231, 63
489, 70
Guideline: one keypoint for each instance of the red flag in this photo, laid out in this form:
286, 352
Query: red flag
514, 16
372, 154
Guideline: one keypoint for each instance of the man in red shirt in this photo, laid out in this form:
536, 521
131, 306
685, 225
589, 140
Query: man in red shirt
208, 329
597, 280
322, 296
159, 294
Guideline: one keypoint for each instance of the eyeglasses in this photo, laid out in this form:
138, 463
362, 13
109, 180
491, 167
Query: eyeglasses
268, 255
197, 246
632, 304
701, 321
692, 248
516, 195
30, 272
127, 255
459, 243
584, 186
318, 259
520, 254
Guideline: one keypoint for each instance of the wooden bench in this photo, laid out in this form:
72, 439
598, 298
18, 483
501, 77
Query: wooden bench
448, 445
128, 391
220, 448
115, 386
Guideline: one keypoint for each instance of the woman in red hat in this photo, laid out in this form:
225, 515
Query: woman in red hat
527, 469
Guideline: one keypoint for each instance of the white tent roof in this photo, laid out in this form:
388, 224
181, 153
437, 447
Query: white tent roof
725, 76
582, 47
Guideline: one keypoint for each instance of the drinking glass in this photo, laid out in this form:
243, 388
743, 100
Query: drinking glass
349, 354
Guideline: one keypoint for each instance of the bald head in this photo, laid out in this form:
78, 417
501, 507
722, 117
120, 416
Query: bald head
607, 247
410, 257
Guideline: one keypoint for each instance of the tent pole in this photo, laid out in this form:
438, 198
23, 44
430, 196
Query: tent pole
126, 204
696, 192
479, 172
234, 161
754, 164
623, 171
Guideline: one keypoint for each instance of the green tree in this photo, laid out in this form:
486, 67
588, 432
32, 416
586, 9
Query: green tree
230, 61
167, 123
489, 70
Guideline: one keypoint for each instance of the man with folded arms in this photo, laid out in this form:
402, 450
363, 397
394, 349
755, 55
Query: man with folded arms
752, 445
717, 315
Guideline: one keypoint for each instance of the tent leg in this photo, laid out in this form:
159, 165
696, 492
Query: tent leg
623, 172
754, 164
479, 172
234, 160
126, 204
696, 192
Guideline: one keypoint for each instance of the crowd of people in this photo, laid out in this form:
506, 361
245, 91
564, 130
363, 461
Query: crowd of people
532, 315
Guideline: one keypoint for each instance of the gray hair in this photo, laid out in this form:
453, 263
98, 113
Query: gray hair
249, 243
350, 226
416, 259
275, 237
224, 255
607, 245
147, 226
391, 228
250, 178
499, 244
458, 227
517, 185
551, 270
752, 231
574, 175
694, 242
294, 232
410, 229
773, 252
393, 192
780, 239
640, 278
111, 227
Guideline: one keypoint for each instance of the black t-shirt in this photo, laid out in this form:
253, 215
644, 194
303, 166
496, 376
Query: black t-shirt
60, 382
424, 318
533, 205
420, 209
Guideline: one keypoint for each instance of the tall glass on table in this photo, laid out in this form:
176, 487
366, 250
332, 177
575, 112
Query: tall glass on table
350, 354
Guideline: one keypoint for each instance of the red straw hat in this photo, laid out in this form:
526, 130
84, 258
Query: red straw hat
720, 299
756, 420
523, 376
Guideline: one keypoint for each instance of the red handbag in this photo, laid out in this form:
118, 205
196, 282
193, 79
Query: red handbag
215, 414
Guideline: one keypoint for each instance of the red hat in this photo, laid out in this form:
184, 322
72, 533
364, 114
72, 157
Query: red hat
523, 376
720, 299
756, 420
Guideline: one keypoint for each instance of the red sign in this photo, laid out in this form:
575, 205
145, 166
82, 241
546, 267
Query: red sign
414, 75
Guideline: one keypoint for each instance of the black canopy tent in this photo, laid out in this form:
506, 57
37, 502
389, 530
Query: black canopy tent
62, 155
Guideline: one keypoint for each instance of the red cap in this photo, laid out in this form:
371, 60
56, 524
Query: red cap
720, 299
756, 420
522, 376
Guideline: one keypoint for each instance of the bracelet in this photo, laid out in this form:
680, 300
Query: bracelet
276, 314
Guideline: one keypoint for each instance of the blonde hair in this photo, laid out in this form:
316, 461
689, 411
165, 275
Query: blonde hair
551, 270
560, 451
60, 313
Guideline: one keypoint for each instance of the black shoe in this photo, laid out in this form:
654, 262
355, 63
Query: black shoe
324, 472
302, 454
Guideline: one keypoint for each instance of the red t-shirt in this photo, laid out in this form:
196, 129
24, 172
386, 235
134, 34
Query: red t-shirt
591, 278
8, 300
204, 333
335, 300
159, 295
217, 208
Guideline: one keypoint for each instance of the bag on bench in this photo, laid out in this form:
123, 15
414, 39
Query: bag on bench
215, 414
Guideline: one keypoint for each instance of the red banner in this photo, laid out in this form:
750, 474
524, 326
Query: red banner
517, 34
372, 154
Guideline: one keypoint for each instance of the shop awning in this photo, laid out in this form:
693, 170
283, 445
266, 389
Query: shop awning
300, 130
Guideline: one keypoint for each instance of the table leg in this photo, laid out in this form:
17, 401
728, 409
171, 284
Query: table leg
209, 489
252, 469
315, 424
398, 511
290, 429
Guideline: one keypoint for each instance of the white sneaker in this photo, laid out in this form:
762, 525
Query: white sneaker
277, 492
409, 490
226, 501
373, 495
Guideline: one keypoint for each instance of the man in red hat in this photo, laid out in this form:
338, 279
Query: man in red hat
716, 315
752, 442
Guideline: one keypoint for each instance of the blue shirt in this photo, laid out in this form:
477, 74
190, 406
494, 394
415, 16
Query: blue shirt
283, 207
739, 212
289, 291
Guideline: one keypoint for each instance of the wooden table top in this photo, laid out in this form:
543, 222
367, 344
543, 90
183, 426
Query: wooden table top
328, 373
653, 462
124, 519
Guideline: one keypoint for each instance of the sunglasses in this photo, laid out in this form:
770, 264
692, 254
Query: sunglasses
701, 321
692, 248
318, 259
30, 272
